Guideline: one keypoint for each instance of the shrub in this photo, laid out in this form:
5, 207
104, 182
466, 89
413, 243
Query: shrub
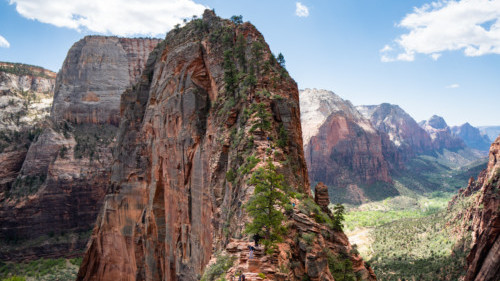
222, 264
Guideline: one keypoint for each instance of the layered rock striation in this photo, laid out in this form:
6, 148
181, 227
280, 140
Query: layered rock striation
403, 131
210, 107
95, 73
341, 146
483, 261
51, 206
25, 97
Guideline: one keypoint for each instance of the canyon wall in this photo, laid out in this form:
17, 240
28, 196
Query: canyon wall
50, 208
212, 106
341, 146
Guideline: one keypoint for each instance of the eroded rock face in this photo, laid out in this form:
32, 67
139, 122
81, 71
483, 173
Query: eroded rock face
341, 146
402, 129
441, 135
483, 262
188, 142
472, 137
95, 73
25, 98
62, 181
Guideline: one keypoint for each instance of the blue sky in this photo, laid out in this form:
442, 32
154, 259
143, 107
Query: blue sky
428, 57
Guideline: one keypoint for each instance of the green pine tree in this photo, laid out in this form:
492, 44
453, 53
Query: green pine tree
262, 123
267, 205
338, 216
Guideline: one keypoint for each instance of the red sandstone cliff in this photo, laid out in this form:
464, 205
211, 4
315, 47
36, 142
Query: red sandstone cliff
51, 205
185, 149
342, 148
483, 262
481, 218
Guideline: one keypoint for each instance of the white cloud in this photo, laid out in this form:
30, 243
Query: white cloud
435, 56
301, 10
471, 26
3, 42
117, 17
453, 86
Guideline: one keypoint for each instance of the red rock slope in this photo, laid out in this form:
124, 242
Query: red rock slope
191, 132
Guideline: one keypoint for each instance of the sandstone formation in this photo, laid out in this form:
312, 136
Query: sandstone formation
211, 105
472, 137
441, 135
25, 98
95, 73
483, 262
341, 146
321, 195
50, 206
401, 128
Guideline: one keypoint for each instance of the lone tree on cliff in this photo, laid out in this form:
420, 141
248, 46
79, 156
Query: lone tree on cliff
338, 216
267, 205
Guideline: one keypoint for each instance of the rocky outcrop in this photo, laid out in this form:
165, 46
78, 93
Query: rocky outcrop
472, 137
441, 135
211, 105
341, 146
95, 73
402, 129
484, 259
25, 98
51, 206
321, 195
482, 218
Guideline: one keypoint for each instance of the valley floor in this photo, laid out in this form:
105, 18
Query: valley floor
406, 238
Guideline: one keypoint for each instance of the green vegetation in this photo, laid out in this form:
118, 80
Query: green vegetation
418, 248
262, 123
412, 238
265, 207
217, 270
392, 209
237, 19
26, 185
23, 69
281, 60
41, 269
338, 216
341, 267
89, 138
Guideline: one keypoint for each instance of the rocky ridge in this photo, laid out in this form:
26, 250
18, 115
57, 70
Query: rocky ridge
441, 135
341, 146
51, 206
402, 129
472, 137
25, 99
211, 105
483, 216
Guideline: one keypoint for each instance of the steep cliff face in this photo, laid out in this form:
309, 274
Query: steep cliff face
95, 73
341, 146
402, 129
25, 98
472, 136
483, 261
52, 205
211, 105
441, 135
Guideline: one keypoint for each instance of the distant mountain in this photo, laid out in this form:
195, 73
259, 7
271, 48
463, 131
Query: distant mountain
341, 146
472, 137
401, 128
441, 135
492, 131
